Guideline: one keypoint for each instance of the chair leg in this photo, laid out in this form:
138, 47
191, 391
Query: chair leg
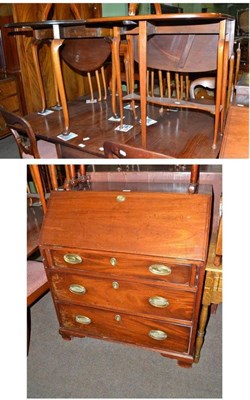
28, 329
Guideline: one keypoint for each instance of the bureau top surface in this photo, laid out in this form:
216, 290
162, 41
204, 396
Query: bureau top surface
167, 224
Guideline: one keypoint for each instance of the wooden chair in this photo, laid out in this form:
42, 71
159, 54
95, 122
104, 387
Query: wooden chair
22, 131
206, 82
118, 150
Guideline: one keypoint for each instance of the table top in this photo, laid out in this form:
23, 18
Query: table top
92, 125
235, 142
124, 20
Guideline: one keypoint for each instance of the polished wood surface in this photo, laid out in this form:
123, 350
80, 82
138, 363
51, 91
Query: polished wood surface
9, 99
113, 291
117, 150
235, 142
178, 134
191, 227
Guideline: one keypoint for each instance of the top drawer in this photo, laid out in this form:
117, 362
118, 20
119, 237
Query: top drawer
116, 264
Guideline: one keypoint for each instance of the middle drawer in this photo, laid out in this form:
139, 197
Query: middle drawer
118, 294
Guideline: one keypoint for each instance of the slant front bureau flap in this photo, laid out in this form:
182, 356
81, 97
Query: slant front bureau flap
162, 224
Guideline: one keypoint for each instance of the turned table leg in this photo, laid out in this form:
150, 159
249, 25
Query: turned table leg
201, 332
220, 56
142, 43
55, 46
34, 47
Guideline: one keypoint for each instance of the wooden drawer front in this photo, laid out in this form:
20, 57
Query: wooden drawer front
7, 88
120, 265
122, 295
124, 328
10, 103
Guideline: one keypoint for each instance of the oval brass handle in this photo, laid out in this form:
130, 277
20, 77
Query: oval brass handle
71, 258
160, 269
113, 261
82, 319
120, 198
158, 301
77, 289
157, 334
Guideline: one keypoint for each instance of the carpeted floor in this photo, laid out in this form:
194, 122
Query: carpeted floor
8, 148
88, 368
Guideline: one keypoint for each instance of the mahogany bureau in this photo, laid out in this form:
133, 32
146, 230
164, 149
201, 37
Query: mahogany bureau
125, 262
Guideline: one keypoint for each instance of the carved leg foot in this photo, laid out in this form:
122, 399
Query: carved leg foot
65, 336
184, 364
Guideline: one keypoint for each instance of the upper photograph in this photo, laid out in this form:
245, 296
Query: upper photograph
126, 80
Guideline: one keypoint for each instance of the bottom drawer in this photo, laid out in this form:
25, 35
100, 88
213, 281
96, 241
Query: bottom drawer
125, 328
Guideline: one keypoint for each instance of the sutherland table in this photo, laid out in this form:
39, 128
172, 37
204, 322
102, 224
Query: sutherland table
186, 36
126, 263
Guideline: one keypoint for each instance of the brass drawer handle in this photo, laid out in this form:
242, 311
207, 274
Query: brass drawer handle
159, 269
120, 198
82, 319
157, 334
115, 285
158, 301
72, 258
113, 261
77, 289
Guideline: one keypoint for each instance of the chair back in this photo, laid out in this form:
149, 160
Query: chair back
206, 82
21, 130
118, 150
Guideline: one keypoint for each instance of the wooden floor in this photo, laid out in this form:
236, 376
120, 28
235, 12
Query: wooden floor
181, 134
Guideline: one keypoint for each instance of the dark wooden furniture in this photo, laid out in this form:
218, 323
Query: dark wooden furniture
181, 43
130, 267
117, 150
235, 143
181, 134
22, 131
9, 99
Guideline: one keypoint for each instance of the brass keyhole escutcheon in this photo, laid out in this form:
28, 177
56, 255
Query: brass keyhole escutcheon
115, 285
120, 198
113, 261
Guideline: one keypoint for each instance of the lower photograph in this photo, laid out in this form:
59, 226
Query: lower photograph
124, 281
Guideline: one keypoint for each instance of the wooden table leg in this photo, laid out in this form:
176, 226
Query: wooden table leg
220, 55
116, 55
34, 46
201, 332
55, 46
142, 43
224, 84
131, 71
